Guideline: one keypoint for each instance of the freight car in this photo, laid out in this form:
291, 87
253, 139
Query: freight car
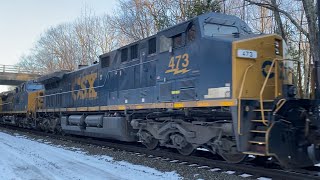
208, 82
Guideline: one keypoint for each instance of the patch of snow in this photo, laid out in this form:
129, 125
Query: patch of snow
264, 178
183, 163
203, 167
193, 165
74, 148
215, 169
202, 149
22, 158
245, 175
229, 172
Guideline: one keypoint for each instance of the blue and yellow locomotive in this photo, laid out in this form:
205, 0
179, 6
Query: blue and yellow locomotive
208, 82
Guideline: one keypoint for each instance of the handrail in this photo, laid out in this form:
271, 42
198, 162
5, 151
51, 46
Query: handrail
239, 97
262, 91
16, 69
281, 102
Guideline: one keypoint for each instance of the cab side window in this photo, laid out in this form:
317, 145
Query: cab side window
191, 33
152, 46
165, 44
105, 62
124, 54
177, 41
134, 51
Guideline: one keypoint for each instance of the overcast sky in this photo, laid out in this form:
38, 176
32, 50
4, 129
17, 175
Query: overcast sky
23, 21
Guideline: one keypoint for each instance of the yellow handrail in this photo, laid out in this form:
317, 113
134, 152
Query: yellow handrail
262, 90
281, 102
239, 97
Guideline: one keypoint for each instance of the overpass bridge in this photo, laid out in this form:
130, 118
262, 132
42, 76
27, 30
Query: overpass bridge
15, 75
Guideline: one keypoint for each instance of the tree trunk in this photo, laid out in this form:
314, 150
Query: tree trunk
277, 17
310, 12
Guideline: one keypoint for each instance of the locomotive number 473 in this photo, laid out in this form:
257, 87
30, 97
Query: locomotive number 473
243, 53
178, 64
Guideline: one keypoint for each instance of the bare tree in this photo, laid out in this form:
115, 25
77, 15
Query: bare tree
304, 23
133, 20
68, 45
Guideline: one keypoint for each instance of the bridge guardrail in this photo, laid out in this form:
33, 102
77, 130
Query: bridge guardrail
16, 69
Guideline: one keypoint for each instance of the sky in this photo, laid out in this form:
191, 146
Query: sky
23, 21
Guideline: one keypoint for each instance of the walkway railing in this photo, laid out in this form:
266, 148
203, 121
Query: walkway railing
16, 69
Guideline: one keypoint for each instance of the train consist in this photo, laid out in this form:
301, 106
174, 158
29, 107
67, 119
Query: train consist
208, 82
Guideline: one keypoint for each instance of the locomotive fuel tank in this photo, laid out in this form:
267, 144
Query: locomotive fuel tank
94, 121
99, 126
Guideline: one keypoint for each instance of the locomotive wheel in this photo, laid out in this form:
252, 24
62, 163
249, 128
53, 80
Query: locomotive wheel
228, 151
58, 130
186, 150
233, 158
62, 133
152, 144
149, 141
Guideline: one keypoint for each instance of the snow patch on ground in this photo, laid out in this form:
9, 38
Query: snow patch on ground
264, 178
22, 158
202, 149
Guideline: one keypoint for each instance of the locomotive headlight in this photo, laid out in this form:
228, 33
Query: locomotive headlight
277, 47
277, 44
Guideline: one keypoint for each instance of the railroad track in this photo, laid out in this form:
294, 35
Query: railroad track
195, 161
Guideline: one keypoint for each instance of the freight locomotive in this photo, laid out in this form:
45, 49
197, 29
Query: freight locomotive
208, 82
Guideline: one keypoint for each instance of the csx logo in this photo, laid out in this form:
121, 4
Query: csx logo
86, 87
265, 69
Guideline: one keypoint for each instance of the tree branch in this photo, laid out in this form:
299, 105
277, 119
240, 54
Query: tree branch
275, 8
